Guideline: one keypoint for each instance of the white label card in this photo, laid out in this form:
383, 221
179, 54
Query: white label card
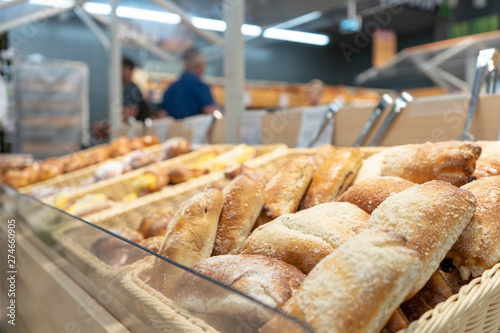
200, 125
251, 127
312, 117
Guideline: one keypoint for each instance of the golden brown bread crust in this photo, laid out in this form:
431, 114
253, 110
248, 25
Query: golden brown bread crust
189, 238
243, 200
346, 214
434, 292
373, 268
302, 240
450, 161
396, 323
431, 217
181, 174
190, 235
286, 188
155, 223
371, 192
153, 243
322, 154
478, 247
333, 177
488, 163
174, 147
268, 280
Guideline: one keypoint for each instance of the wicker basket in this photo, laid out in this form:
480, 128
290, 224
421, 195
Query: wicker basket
159, 311
75, 178
131, 214
474, 309
118, 187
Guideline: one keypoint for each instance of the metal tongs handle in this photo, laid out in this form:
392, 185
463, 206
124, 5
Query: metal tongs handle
217, 115
399, 105
333, 109
384, 101
486, 65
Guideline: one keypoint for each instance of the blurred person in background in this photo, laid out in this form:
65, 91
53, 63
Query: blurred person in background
189, 96
133, 101
315, 89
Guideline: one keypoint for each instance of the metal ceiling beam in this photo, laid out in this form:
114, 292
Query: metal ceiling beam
42, 14
5, 5
92, 25
139, 40
186, 19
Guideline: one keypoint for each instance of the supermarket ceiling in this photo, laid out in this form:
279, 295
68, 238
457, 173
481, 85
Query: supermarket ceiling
320, 17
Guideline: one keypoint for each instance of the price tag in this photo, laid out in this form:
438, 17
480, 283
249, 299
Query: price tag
200, 125
251, 127
311, 120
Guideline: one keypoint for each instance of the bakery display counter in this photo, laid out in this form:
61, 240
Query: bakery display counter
71, 275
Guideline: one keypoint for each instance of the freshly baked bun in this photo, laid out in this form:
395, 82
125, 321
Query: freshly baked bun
113, 251
109, 170
268, 280
488, 163
138, 159
356, 288
431, 216
243, 200
333, 177
174, 147
286, 188
303, 240
450, 161
478, 247
150, 140
371, 192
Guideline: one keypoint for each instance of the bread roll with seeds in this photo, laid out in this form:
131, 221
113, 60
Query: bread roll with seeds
431, 216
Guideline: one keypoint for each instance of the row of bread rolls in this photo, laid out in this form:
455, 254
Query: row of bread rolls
54, 166
424, 223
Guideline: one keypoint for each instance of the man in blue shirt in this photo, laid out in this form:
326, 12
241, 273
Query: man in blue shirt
189, 96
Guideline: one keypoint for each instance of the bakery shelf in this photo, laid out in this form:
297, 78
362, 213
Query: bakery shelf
95, 302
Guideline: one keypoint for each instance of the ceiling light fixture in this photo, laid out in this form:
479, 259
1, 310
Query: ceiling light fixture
296, 36
299, 20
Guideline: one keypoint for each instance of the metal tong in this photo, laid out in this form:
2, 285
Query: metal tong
399, 105
486, 68
333, 108
384, 101
217, 115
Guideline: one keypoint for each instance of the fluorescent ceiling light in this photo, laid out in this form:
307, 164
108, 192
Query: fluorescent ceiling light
208, 24
251, 30
299, 20
296, 36
148, 15
97, 8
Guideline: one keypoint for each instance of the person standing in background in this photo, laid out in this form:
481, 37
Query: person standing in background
189, 96
315, 89
134, 104
133, 101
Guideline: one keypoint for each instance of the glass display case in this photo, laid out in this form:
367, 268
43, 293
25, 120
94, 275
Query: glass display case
62, 274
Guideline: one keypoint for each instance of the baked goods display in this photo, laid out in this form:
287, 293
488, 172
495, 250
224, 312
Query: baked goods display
54, 166
488, 163
402, 239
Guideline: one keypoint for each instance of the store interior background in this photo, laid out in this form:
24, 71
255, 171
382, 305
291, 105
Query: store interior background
66, 37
